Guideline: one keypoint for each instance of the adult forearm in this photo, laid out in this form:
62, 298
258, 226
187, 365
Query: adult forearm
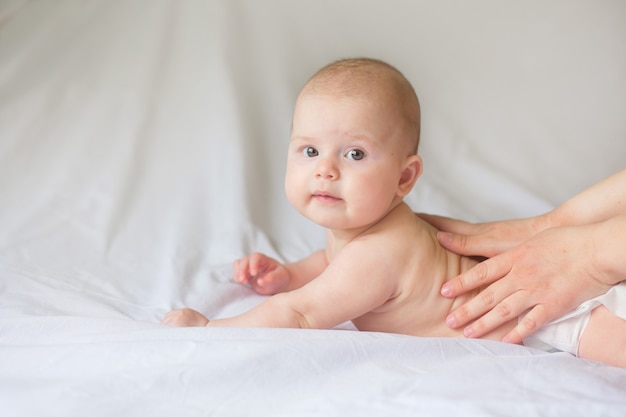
597, 203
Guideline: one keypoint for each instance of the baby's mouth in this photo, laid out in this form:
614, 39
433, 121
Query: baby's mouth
326, 197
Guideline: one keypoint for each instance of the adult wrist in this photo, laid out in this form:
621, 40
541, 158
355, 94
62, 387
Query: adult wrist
548, 221
609, 257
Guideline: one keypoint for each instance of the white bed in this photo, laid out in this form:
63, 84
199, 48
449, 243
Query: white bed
142, 149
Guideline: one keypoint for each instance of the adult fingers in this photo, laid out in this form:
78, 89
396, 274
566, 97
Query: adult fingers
503, 312
533, 320
480, 275
469, 245
448, 224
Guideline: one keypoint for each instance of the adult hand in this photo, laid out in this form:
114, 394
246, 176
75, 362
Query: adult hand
548, 276
485, 239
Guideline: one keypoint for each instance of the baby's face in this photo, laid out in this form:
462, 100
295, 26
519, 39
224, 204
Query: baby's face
344, 162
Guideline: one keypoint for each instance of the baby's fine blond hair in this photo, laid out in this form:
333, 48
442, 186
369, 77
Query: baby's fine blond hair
374, 79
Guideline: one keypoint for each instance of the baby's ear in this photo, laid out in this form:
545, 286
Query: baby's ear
411, 172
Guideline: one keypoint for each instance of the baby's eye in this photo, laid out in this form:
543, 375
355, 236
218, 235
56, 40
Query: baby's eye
310, 152
355, 154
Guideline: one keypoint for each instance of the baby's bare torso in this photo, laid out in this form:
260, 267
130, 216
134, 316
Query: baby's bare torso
417, 307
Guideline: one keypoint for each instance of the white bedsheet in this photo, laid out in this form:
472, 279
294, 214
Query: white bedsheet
142, 149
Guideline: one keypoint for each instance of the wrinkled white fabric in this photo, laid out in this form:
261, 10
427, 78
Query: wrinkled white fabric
565, 333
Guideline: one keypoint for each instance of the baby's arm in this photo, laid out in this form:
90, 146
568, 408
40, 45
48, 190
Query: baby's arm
355, 283
268, 276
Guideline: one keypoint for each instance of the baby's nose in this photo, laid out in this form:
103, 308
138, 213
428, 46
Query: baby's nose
327, 169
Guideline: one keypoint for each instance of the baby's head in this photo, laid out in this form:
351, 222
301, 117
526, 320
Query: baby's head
377, 83
355, 133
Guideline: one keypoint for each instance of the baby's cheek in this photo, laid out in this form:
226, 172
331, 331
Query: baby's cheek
295, 192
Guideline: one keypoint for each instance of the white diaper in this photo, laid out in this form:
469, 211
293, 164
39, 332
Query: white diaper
565, 332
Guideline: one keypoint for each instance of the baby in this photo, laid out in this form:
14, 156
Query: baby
351, 160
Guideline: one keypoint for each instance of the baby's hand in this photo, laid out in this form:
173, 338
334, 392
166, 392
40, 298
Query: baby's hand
265, 275
185, 317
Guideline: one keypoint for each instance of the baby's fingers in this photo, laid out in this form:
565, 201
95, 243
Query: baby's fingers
259, 263
254, 269
263, 284
241, 270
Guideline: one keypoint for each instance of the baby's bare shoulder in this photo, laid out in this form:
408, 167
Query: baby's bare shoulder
400, 238
404, 227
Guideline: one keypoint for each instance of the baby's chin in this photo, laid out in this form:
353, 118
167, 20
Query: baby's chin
327, 221
335, 223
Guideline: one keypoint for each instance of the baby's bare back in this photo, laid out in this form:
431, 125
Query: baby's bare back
417, 307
